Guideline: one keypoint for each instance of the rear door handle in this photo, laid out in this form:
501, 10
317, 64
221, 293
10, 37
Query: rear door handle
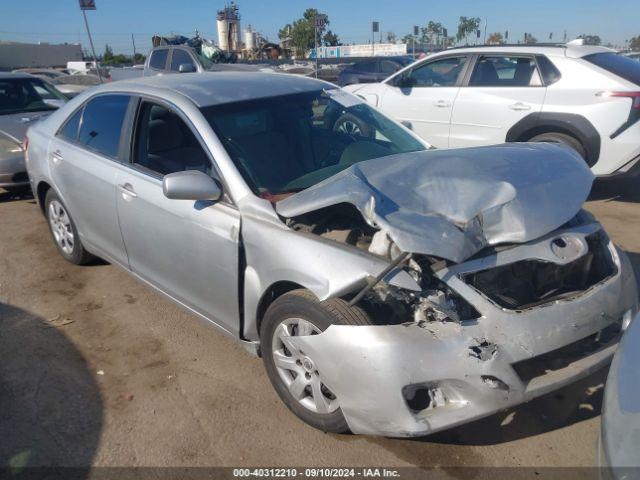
56, 157
443, 104
520, 106
127, 190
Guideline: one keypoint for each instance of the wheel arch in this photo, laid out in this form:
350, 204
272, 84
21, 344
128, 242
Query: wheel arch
568, 123
271, 294
41, 193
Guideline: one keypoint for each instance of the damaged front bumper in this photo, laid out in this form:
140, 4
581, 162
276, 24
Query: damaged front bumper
417, 378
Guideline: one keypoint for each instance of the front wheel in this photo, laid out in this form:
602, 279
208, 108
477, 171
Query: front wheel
563, 138
64, 232
293, 373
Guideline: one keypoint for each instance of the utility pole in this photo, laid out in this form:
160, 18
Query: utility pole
485, 31
133, 41
93, 50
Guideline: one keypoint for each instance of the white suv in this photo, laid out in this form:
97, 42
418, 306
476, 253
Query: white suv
585, 97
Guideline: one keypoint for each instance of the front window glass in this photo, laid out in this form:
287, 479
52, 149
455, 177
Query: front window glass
19, 95
180, 57
439, 73
505, 72
165, 144
289, 143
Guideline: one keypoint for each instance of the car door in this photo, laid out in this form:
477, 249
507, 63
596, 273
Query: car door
83, 158
422, 97
187, 249
502, 90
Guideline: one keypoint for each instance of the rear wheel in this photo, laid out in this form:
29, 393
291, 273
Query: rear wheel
64, 232
563, 138
294, 374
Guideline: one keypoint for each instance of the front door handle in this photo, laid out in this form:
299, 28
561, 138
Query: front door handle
56, 157
520, 106
127, 190
443, 104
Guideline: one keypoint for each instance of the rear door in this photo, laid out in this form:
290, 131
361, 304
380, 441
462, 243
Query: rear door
422, 97
185, 248
501, 90
84, 157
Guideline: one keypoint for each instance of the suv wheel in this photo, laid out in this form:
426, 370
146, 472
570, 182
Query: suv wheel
555, 137
294, 374
351, 125
64, 231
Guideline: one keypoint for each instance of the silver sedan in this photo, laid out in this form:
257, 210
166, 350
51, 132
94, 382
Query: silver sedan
24, 99
389, 288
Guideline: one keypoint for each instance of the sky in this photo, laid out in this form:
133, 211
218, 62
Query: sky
60, 21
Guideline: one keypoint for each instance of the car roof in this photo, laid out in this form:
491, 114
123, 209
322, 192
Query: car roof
562, 50
4, 75
216, 88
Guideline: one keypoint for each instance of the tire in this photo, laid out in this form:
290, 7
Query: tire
555, 137
64, 232
292, 311
351, 125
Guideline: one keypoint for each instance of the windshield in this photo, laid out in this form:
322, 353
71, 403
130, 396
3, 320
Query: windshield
19, 95
289, 143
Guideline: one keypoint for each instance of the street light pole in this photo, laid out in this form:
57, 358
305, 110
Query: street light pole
315, 39
93, 50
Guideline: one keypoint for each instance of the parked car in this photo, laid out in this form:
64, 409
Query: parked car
45, 73
372, 70
184, 59
620, 426
72, 85
390, 289
24, 99
582, 96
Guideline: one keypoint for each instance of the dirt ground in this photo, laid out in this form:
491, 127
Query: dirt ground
97, 369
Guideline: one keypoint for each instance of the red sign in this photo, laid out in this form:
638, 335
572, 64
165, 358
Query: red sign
87, 4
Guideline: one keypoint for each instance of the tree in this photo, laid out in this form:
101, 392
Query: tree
108, 54
139, 58
330, 39
634, 43
495, 38
591, 39
530, 40
302, 32
391, 37
467, 26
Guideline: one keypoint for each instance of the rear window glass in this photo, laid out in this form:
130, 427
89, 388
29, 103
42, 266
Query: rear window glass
102, 124
619, 65
159, 59
70, 129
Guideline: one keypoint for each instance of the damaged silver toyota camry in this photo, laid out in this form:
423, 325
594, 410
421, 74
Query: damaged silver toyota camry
390, 289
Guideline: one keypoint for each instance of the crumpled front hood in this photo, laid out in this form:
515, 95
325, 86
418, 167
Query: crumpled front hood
453, 203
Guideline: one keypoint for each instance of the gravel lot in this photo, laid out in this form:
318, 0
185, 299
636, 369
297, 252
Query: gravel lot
97, 369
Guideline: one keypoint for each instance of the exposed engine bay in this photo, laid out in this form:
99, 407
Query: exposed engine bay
515, 286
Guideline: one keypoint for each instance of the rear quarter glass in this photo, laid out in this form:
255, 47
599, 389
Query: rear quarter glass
623, 67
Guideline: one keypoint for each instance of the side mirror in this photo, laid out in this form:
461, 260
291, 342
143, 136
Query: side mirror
404, 81
186, 68
191, 185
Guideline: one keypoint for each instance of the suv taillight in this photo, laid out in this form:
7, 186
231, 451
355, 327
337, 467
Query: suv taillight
634, 96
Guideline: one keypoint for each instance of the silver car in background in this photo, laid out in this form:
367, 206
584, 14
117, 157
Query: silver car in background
390, 289
619, 452
24, 99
